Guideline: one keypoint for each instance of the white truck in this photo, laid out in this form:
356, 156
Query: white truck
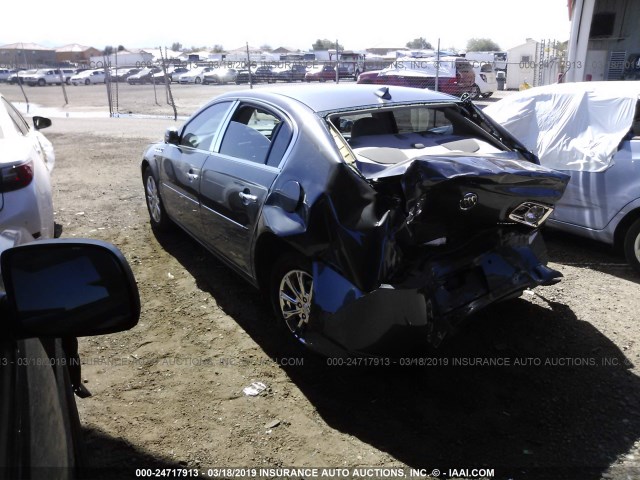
49, 76
498, 60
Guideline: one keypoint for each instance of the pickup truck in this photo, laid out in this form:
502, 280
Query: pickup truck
49, 76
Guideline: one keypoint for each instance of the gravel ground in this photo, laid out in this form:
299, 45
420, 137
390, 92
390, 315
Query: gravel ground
545, 386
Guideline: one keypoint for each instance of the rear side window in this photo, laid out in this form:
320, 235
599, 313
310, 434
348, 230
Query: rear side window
256, 135
464, 66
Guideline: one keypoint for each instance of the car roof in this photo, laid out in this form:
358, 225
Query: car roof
342, 96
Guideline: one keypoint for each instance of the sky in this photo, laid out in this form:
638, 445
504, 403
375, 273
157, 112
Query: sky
356, 25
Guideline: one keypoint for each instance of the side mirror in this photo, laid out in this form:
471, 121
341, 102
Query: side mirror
41, 122
172, 136
57, 288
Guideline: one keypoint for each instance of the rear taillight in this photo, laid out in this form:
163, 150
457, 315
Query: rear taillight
16, 177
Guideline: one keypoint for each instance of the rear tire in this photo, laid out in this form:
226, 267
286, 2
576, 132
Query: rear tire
475, 92
290, 293
158, 218
632, 245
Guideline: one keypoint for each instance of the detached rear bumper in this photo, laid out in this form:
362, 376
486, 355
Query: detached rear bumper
429, 299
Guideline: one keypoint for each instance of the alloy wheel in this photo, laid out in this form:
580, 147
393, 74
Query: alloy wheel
294, 293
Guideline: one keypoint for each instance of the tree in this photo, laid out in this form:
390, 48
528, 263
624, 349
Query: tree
482, 45
419, 43
218, 49
108, 50
121, 48
266, 47
176, 46
326, 44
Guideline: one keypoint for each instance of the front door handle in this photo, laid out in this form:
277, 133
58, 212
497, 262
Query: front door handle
247, 198
192, 175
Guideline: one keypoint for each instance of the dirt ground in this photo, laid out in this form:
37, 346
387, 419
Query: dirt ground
545, 386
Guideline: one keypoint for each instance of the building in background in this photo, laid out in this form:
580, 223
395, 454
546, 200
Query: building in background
26, 55
605, 40
75, 53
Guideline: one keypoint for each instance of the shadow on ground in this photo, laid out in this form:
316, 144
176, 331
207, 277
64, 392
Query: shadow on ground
582, 252
108, 458
530, 391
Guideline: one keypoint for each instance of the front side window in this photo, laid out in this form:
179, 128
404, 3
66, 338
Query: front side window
201, 131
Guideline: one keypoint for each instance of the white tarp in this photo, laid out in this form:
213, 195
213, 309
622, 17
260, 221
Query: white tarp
570, 126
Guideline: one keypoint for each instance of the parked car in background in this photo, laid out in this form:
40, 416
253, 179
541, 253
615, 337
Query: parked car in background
5, 73
173, 73
485, 83
195, 75
264, 73
321, 73
143, 76
590, 131
122, 74
18, 77
26, 161
89, 77
244, 74
51, 292
290, 73
49, 76
372, 218
259, 74
454, 75
220, 76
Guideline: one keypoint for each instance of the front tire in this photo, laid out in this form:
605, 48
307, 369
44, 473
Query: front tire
158, 218
291, 292
632, 245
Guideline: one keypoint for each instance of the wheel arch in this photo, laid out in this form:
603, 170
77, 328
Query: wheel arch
269, 247
623, 226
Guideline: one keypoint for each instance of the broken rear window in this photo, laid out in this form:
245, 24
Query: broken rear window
389, 136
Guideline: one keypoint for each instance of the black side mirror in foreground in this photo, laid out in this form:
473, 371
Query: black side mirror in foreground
171, 135
41, 122
59, 288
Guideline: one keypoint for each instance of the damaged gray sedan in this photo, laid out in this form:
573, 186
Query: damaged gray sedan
372, 217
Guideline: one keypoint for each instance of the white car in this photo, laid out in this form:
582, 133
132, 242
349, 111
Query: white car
485, 84
26, 161
195, 76
88, 77
590, 131
5, 73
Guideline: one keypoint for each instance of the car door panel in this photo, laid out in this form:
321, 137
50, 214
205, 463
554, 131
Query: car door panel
592, 199
236, 180
180, 166
232, 193
179, 170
